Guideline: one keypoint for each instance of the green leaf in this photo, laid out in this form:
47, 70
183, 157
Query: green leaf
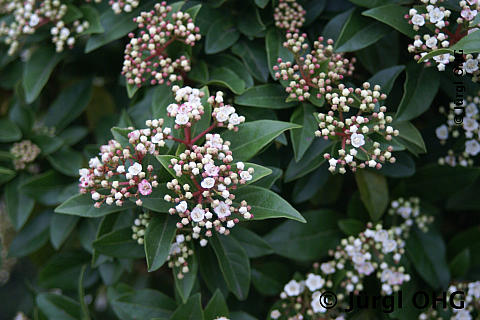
267, 204
115, 26
227, 78
386, 78
231, 62
210, 270
333, 28
58, 307
404, 166
294, 240
271, 96
262, 3
373, 192
309, 185
9, 132
82, 205
61, 227
192, 310
155, 201
144, 304
69, 104
312, 160
460, 264
119, 244
19, 206
253, 244
185, 285
221, 35
314, 8
250, 23
465, 198
275, 49
62, 270
427, 252
302, 138
32, 237
67, 161
469, 44
359, 32
254, 57
410, 137
6, 175
73, 134
393, 15
193, 11
234, 264
131, 89
468, 239
419, 90
351, 227
158, 239
81, 295
47, 143
259, 173
216, 307
49, 188
254, 136
268, 181
37, 70
92, 16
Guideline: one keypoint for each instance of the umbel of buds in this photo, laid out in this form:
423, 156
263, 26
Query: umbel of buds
28, 16
435, 31
464, 139
363, 137
180, 251
289, 15
204, 197
24, 153
314, 73
146, 58
375, 251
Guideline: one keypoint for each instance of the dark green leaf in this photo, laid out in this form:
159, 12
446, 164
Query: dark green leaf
386, 78
82, 205
67, 161
184, 286
9, 131
227, 78
393, 15
271, 96
302, 138
192, 310
216, 307
32, 237
221, 35
351, 227
144, 304
460, 264
158, 239
61, 227
58, 307
312, 160
254, 57
119, 244
19, 205
275, 49
253, 244
373, 192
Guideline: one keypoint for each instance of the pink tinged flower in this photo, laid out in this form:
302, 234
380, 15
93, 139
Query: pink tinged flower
211, 169
221, 116
157, 138
172, 108
234, 119
135, 169
222, 210
442, 58
327, 268
94, 162
145, 187
357, 140
366, 268
197, 214
245, 175
216, 141
134, 135
468, 14
436, 15
208, 183
182, 207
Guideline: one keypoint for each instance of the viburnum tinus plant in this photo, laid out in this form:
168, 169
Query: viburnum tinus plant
194, 159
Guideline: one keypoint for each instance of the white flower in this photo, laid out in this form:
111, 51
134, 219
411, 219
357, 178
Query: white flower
245, 175
197, 214
135, 169
240, 165
180, 238
353, 129
333, 162
327, 268
174, 249
203, 242
293, 288
211, 169
436, 15
442, 132
314, 282
181, 119
381, 236
357, 140
172, 108
94, 163
34, 20
235, 119
182, 207
348, 158
462, 315
472, 147
471, 65
372, 163
221, 116
431, 42
442, 58
365, 268
157, 138
208, 183
222, 210
474, 289
389, 246
470, 124
316, 305
418, 20
275, 314
471, 110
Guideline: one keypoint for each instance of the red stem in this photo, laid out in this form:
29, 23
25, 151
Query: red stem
204, 132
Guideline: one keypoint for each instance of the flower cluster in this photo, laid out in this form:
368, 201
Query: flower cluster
24, 153
30, 15
180, 250
139, 227
311, 73
145, 55
119, 174
433, 23
468, 134
289, 15
471, 300
371, 252
205, 202
364, 136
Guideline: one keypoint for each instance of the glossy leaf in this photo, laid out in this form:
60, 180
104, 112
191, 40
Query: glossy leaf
373, 192
158, 239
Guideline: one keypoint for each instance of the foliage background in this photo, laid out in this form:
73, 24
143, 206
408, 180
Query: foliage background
82, 94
